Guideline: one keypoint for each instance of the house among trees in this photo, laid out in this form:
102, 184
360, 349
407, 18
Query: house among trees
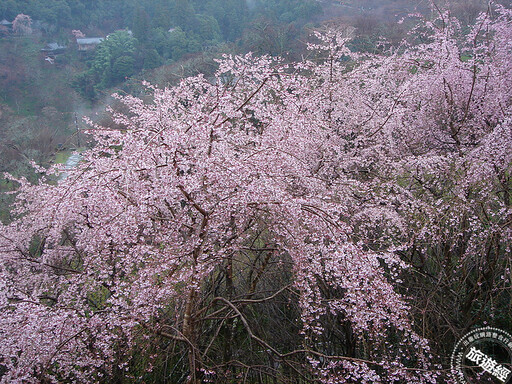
88, 43
54, 49
5, 27
6, 23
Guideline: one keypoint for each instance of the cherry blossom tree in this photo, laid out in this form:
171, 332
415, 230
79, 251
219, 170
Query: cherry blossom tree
315, 185
22, 24
451, 171
77, 33
155, 209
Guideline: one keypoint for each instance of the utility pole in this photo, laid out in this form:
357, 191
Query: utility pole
77, 131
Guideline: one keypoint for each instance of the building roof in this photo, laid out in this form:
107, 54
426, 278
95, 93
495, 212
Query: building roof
5, 22
89, 40
54, 48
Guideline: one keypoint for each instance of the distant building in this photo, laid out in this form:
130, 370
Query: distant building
54, 48
5, 27
88, 43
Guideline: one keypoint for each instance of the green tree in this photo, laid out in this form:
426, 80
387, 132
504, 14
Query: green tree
107, 66
151, 59
159, 40
122, 68
231, 15
56, 12
162, 14
184, 14
9, 9
140, 25
84, 84
178, 43
208, 29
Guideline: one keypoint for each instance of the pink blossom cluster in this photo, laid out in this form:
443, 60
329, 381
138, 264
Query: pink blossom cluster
344, 168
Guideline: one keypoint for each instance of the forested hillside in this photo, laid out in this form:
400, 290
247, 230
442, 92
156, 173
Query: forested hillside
226, 17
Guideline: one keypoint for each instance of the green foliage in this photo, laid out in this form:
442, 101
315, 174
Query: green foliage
113, 59
207, 29
122, 68
140, 25
159, 40
57, 12
119, 43
289, 10
231, 15
84, 83
206, 19
162, 30
151, 59
179, 43
183, 14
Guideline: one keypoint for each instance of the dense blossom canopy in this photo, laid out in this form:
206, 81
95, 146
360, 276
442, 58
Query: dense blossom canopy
342, 168
22, 24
